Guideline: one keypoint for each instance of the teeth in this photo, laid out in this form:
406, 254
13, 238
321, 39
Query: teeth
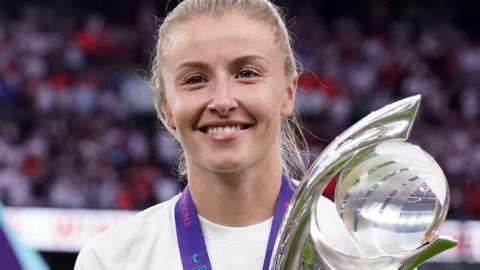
222, 130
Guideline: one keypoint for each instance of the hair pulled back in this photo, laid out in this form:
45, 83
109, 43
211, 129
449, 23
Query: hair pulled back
291, 138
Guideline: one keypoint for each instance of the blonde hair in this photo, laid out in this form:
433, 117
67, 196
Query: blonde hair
292, 141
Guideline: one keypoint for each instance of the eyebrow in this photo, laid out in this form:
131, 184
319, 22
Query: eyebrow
244, 59
239, 61
194, 64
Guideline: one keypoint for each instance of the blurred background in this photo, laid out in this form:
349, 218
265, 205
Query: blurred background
80, 147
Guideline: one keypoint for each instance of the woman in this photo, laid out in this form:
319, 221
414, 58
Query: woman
225, 79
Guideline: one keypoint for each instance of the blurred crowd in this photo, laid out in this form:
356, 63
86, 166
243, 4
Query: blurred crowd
78, 127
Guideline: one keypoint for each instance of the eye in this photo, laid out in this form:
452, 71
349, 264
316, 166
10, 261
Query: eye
246, 73
195, 79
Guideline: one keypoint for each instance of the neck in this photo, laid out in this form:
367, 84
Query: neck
236, 199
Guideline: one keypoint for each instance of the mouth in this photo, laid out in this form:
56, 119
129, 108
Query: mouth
223, 129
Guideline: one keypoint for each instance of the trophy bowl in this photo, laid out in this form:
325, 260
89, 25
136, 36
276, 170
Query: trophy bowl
391, 197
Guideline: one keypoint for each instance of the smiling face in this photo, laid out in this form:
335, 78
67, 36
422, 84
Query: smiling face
226, 92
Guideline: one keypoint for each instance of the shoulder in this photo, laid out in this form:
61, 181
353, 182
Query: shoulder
132, 240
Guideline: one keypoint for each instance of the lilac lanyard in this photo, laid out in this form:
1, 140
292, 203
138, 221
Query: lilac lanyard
191, 243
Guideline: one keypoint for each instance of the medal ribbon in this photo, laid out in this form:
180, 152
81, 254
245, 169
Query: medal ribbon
191, 242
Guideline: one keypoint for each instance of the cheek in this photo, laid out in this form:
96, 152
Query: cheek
270, 102
267, 110
181, 115
182, 121
171, 110
186, 108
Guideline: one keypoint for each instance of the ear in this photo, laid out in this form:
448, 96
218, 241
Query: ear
289, 102
167, 113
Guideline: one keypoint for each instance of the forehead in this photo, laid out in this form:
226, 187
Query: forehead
227, 35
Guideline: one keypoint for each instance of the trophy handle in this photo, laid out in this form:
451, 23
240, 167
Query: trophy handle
392, 122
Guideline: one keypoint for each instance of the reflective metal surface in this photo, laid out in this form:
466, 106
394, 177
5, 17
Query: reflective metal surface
390, 199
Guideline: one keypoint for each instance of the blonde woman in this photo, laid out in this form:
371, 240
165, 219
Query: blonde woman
225, 80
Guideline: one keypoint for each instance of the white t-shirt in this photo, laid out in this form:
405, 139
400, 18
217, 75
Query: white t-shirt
148, 240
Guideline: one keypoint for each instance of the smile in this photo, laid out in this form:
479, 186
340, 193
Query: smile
223, 129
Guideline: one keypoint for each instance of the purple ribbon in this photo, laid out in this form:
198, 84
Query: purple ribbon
8, 259
191, 243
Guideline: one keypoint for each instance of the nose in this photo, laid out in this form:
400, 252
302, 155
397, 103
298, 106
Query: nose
223, 101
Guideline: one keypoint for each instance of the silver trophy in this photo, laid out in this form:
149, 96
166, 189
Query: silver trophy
390, 199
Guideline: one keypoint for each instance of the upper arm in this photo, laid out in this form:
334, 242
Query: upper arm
88, 259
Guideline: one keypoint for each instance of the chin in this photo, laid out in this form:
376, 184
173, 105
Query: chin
226, 168
226, 165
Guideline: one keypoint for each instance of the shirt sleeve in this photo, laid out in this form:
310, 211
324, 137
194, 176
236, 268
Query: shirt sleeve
88, 259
